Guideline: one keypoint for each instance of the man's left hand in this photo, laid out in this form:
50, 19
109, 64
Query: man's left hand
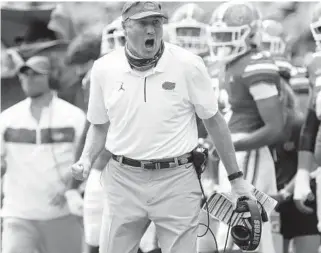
241, 187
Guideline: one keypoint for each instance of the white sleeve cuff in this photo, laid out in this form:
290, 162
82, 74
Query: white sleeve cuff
263, 91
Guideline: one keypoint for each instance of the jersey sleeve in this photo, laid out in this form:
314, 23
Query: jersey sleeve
97, 112
200, 90
314, 73
311, 125
299, 80
285, 68
262, 79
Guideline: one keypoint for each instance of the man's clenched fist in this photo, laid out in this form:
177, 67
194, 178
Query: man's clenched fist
80, 170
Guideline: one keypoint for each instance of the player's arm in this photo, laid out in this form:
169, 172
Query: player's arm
308, 135
317, 151
262, 86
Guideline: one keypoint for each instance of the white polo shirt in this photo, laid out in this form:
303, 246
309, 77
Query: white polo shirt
38, 157
152, 113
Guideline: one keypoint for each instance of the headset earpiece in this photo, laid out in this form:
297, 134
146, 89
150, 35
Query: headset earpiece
241, 235
248, 238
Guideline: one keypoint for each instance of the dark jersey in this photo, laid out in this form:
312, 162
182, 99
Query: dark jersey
311, 124
247, 79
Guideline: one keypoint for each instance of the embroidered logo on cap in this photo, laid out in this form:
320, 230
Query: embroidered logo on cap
168, 86
150, 6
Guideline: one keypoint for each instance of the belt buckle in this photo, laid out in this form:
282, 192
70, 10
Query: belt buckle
143, 163
157, 165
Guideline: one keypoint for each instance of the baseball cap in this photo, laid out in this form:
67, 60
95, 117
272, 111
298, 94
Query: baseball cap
139, 10
39, 64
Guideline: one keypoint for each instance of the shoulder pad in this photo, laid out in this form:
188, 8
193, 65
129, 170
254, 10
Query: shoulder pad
257, 68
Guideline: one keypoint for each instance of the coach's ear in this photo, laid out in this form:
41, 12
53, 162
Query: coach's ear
124, 27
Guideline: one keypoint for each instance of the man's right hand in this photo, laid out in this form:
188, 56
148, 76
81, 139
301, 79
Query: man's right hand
302, 191
80, 170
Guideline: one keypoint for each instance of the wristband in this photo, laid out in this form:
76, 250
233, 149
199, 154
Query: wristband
235, 175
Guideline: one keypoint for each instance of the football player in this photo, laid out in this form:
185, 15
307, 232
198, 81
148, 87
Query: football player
304, 231
274, 40
310, 140
252, 81
186, 28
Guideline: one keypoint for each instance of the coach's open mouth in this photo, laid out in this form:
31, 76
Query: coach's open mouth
149, 43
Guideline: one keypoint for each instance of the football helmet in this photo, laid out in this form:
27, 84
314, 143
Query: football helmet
315, 25
273, 37
234, 27
112, 36
186, 28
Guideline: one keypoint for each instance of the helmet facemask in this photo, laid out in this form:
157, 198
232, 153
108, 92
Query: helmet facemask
227, 43
275, 45
111, 40
316, 32
189, 34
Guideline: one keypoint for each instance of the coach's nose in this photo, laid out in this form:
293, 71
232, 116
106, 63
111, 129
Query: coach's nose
150, 30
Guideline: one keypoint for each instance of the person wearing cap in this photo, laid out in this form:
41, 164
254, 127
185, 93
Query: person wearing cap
142, 104
39, 137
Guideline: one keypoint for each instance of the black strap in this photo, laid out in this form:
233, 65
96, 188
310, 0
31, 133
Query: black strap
155, 164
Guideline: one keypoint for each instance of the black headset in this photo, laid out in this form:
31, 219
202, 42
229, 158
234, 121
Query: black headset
244, 236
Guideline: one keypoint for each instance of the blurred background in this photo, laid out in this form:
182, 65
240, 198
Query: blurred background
27, 22
30, 27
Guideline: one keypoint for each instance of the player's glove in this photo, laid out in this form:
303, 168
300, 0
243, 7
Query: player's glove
302, 190
75, 202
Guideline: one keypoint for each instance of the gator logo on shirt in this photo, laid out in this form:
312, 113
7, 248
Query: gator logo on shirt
168, 86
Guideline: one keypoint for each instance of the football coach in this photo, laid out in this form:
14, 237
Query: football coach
142, 106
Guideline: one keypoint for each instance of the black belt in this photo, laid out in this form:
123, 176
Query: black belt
155, 164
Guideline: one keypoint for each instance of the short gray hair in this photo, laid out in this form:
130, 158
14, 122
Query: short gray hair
127, 22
